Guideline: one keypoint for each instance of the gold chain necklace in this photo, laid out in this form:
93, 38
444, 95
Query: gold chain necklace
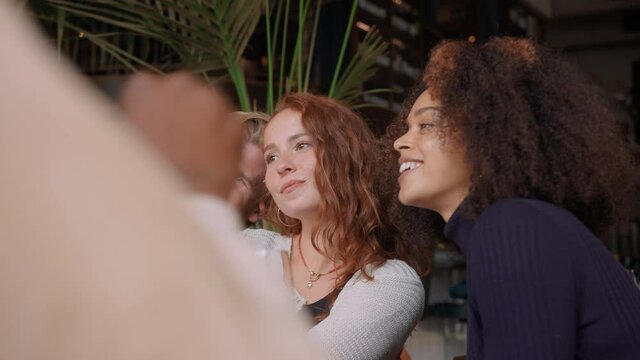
313, 275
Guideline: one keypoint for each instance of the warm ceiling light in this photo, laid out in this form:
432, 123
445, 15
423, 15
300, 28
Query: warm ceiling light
397, 42
363, 26
472, 39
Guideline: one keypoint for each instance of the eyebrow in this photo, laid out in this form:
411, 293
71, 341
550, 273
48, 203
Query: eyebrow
425, 109
291, 139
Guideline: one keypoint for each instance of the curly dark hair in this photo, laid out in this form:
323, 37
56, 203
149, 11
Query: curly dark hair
533, 126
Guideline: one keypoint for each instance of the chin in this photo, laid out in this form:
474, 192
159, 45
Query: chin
298, 212
406, 199
419, 200
289, 211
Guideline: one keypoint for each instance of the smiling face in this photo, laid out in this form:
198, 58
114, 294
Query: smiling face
433, 171
289, 152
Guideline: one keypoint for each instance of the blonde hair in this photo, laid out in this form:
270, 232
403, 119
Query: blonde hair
255, 122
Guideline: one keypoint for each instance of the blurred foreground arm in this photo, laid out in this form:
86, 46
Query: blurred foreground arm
99, 259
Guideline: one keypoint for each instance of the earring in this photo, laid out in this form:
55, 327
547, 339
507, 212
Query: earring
282, 221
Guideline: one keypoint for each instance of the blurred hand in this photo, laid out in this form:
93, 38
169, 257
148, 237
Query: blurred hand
189, 123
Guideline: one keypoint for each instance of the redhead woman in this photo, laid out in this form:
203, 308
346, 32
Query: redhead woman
517, 152
347, 268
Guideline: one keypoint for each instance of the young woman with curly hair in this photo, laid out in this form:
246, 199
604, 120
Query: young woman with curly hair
519, 154
342, 257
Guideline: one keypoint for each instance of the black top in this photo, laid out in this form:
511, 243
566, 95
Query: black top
542, 286
320, 307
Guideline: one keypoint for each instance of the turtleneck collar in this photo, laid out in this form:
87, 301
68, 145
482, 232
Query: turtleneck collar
458, 228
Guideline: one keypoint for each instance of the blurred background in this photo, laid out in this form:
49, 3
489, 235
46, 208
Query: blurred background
366, 53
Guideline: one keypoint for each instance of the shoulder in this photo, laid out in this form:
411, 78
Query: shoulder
394, 294
393, 275
261, 235
535, 210
528, 218
371, 319
525, 228
265, 241
394, 269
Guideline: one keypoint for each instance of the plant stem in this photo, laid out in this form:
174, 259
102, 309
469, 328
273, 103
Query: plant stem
241, 86
345, 41
284, 48
60, 35
312, 47
297, 52
269, 59
276, 30
232, 63
301, 23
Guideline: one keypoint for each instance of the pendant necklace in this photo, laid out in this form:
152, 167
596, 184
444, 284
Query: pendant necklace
313, 275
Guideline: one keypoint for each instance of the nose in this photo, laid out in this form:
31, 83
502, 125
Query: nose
285, 165
402, 143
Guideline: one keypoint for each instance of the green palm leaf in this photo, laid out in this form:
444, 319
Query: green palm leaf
361, 68
209, 37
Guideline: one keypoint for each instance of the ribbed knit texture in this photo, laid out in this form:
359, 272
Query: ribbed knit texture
541, 286
370, 319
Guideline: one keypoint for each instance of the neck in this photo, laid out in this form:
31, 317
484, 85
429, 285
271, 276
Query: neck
447, 209
316, 260
446, 214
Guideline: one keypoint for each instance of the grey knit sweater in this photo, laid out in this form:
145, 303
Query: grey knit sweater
370, 319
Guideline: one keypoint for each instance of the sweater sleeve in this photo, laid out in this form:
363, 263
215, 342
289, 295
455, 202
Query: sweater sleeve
372, 319
521, 285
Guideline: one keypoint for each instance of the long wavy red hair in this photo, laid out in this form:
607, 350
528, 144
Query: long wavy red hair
351, 219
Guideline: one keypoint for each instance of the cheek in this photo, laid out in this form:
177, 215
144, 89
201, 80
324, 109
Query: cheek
307, 162
462, 171
310, 175
450, 168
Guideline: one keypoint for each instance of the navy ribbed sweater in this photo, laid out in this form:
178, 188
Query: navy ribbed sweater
542, 286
